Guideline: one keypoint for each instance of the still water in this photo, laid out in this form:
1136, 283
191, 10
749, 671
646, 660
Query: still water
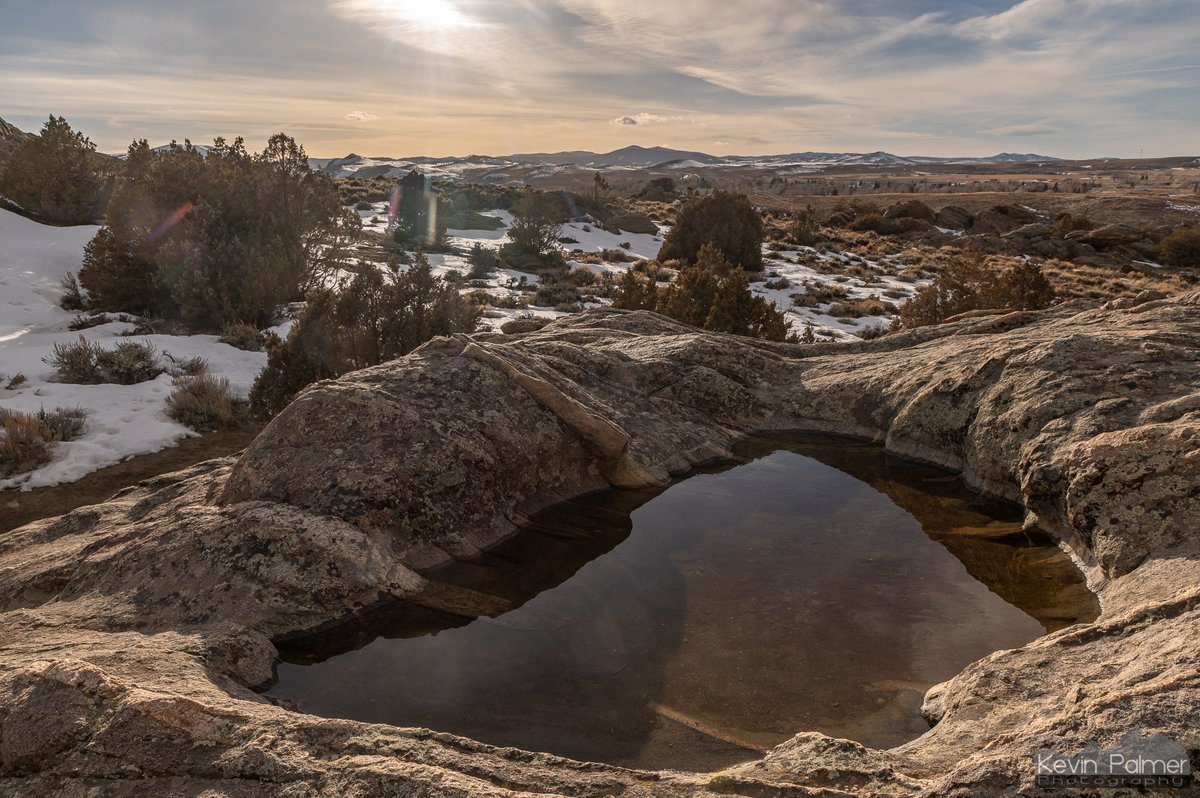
817, 585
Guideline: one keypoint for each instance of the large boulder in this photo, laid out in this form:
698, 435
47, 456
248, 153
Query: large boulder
953, 217
660, 189
910, 209
1037, 239
1109, 236
134, 629
632, 223
1001, 219
521, 326
842, 216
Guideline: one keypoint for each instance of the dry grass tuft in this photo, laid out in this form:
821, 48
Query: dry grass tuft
242, 336
84, 363
28, 438
206, 403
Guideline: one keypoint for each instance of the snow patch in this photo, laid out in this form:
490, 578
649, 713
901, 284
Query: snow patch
122, 420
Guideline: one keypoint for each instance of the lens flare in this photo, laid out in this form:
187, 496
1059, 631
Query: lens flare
172, 220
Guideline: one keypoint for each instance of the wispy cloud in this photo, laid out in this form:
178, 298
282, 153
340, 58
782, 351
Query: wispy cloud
644, 119
916, 76
1027, 129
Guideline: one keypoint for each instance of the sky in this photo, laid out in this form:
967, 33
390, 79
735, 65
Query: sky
1069, 78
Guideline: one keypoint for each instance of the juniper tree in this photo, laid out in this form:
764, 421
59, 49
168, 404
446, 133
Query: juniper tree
724, 220
970, 282
216, 238
56, 176
634, 292
713, 295
376, 318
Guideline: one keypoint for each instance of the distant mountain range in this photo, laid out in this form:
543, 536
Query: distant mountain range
635, 157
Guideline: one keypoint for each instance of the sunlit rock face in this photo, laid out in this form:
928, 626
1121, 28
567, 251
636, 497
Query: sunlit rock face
134, 629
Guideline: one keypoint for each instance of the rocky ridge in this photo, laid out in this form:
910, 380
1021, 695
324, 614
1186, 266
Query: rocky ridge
135, 631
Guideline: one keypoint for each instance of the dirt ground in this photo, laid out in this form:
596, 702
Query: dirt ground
18, 508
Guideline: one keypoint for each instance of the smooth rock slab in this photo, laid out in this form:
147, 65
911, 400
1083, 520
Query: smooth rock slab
131, 632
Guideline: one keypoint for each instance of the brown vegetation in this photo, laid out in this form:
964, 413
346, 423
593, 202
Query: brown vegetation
85, 363
28, 438
376, 318
711, 294
206, 403
727, 222
971, 283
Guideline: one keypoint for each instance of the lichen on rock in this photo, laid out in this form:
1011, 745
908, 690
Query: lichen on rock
134, 631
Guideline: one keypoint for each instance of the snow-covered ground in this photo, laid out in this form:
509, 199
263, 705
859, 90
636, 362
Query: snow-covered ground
122, 420
583, 239
837, 270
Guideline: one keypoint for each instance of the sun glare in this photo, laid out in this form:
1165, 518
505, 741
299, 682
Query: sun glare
428, 13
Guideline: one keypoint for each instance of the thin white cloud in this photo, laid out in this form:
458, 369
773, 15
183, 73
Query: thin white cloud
1033, 19
642, 119
928, 77
1027, 129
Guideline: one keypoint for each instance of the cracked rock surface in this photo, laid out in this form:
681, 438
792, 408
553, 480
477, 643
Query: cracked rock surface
133, 632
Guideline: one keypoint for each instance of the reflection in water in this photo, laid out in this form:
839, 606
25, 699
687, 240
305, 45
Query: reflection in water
697, 627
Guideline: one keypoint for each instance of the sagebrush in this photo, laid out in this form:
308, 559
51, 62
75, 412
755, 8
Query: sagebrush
206, 403
83, 362
969, 283
28, 439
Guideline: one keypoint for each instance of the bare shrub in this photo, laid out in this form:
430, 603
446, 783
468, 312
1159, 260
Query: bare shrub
816, 294
129, 363
204, 403
192, 367
28, 438
241, 335
1181, 247
873, 331
856, 309
85, 363
558, 295
615, 256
